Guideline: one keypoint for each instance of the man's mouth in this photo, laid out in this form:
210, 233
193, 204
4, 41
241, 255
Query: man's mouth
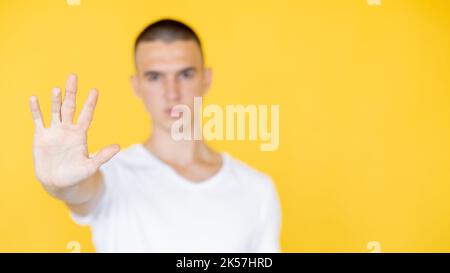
168, 111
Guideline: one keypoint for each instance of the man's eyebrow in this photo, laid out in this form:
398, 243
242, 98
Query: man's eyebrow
154, 72
187, 69
151, 72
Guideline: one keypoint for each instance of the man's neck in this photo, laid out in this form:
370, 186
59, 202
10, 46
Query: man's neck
179, 153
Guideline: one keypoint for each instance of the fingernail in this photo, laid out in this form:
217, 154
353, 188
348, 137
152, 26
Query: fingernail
72, 77
56, 91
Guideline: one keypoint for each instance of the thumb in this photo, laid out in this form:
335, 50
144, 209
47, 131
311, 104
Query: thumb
104, 155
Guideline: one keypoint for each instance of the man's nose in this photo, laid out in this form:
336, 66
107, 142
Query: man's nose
172, 91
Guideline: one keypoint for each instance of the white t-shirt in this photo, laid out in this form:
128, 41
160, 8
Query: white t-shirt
148, 207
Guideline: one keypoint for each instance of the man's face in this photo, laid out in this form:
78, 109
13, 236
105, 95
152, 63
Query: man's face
169, 74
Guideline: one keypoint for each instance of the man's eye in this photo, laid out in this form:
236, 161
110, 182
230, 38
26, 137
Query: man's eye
153, 77
187, 74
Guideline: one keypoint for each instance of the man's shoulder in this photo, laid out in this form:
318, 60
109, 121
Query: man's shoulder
132, 156
250, 175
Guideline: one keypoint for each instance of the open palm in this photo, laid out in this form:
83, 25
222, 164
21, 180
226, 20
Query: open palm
60, 152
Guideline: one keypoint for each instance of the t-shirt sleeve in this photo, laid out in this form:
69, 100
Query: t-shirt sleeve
267, 239
108, 172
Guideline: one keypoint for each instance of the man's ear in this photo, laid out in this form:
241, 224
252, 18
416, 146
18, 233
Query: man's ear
207, 79
135, 85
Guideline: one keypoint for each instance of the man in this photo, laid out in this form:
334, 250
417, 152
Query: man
162, 195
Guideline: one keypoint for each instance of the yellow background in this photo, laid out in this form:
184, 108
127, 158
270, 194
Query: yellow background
364, 95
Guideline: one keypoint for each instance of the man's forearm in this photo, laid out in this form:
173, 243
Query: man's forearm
80, 193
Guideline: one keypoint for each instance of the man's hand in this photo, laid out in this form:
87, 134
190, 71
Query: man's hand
60, 152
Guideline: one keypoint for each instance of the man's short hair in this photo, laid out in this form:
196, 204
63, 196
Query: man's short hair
167, 30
